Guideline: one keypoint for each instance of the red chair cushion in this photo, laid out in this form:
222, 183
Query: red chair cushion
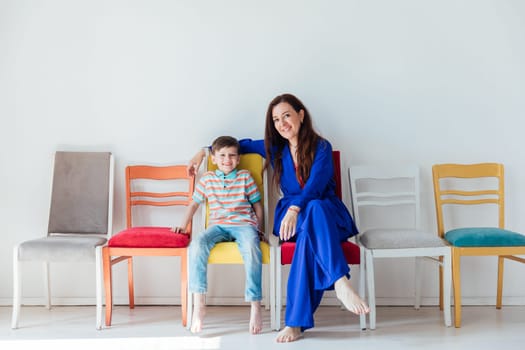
149, 237
350, 250
287, 250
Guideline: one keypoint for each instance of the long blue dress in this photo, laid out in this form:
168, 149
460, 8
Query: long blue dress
323, 223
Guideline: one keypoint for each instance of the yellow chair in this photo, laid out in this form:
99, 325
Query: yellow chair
227, 252
457, 185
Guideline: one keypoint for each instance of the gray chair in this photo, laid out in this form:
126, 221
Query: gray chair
80, 221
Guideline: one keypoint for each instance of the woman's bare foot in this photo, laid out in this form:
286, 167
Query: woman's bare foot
349, 297
255, 318
289, 334
199, 313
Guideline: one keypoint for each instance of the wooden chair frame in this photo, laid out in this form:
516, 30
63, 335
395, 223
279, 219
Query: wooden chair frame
17, 283
430, 248
114, 255
278, 265
496, 197
228, 253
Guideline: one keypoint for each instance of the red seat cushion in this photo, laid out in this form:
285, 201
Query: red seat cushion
149, 237
350, 250
287, 250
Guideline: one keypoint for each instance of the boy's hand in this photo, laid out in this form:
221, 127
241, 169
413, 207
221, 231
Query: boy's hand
178, 229
195, 163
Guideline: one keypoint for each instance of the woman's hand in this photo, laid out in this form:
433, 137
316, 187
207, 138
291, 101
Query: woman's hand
288, 225
195, 163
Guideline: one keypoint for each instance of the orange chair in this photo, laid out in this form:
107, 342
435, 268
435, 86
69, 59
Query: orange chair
156, 186
352, 253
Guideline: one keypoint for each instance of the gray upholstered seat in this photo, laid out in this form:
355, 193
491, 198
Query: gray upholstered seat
80, 220
399, 239
60, 248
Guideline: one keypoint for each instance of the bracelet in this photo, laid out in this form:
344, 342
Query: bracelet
294, 209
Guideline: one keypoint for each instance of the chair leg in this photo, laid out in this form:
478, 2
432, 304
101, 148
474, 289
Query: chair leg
190, 297
17, 289
456, 280
131, 290
441, 286
371, 288
273, 310
266, 287
418, 281
499, 294
362, 281
184, 286
446, 273
47, 285
106, 262
278, 289
98, 284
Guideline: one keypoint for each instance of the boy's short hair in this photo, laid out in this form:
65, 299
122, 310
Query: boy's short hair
224, 141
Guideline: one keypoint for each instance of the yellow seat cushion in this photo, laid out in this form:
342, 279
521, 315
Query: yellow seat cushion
228, 253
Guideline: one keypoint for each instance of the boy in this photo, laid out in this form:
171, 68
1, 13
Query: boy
235, 213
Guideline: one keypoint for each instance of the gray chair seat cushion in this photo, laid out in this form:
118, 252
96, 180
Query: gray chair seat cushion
60, 248
399, 239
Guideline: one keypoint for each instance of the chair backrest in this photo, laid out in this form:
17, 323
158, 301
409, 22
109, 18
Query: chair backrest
336, 156
157, 186
255, 164
82, 193
394, 188
468, 184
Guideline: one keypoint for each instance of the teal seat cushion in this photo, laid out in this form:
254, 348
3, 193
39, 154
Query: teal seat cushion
484, 237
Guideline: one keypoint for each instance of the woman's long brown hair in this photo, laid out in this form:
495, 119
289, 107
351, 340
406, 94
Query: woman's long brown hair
274, 143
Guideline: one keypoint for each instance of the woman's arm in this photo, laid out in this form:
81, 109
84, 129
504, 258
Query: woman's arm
321, 174
252, 146
247, 146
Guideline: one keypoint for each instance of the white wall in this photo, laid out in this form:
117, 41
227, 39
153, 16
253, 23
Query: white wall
151, 81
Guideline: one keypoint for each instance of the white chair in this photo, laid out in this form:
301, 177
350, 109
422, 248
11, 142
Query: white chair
80, 222
386, 204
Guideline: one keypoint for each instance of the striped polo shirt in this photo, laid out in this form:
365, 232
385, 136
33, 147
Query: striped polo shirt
230, 197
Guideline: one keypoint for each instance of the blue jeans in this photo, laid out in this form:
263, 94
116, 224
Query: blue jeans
248, 242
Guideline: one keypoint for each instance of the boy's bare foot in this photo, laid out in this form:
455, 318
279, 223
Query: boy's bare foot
197, 320
349, 297
198, 314
289, 334
255, 318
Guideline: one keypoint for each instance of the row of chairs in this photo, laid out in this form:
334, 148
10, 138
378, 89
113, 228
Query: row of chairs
80, 227
456, 187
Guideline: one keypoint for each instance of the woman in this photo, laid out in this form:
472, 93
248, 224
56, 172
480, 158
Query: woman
309, 212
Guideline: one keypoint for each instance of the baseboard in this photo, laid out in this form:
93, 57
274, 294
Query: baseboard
61, 301
328, 300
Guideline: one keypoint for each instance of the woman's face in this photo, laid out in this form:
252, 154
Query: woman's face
287, 121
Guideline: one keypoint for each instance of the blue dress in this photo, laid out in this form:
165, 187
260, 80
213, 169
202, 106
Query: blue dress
323, 223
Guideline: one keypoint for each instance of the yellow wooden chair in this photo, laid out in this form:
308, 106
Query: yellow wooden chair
457, 185
227, 252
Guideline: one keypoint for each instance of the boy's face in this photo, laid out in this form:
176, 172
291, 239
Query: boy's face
226, 159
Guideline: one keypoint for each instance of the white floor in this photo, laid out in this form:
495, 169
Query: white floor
158, 327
